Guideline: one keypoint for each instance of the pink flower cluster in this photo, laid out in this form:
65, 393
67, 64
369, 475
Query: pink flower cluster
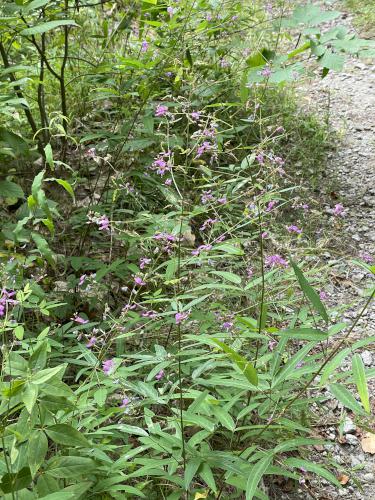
200, 249
275, 260
6, 300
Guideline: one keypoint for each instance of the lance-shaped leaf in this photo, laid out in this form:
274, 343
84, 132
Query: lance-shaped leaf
243, 364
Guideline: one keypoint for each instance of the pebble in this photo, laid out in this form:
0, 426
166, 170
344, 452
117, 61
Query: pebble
349, 426
351, 439
366, 358
369, 477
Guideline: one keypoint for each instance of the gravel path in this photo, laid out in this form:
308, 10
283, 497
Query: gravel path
351, 172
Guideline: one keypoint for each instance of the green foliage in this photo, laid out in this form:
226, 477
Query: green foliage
156, 342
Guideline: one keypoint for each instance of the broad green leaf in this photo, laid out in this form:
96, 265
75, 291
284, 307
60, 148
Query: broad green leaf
18, 332
233, 278
359, 376
44, 375
29, 396
15, 481
44, 27
35, 4
224, 418
100, 396
303, 334
70, 466
190, 470
332, 60
245, 366
36, 450
310, 292
346, 398
10, 189
311, 466
66, 185
256, 474
67, 435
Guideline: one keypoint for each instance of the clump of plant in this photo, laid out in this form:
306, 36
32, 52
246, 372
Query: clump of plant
162, 334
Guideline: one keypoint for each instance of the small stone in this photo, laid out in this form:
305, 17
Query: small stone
349, 426
351, 439
369, 477
366, 358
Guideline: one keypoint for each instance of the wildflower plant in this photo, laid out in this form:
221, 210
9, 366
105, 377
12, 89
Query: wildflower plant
169, 342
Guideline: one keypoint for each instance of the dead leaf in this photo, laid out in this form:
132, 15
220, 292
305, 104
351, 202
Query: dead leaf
343, 479
200, 495
368, 443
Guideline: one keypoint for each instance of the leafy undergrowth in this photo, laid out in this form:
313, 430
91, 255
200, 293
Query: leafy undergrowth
161, 337
364, 17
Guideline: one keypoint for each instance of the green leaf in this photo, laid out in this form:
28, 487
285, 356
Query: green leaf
10, 189
245, 366
67, 435
191, 468
18, 332
35, 4
333, 364
359, 376
332, 60
256, 474
309, 292
44, 375
16, 481
346, 398
70, 466
312, 467
36, 450
303, 334
43, 247
233, 278
290, 366
49, 155
224, 418
29, 396
66, 185
100, 396
44, 27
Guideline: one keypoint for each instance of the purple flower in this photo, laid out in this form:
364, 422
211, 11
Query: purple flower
6, 300
91, 342
144, 46
103, 223
124, 403
144, 261
367, 258
227, 325
139, 281
271, 205
275, 260
206, 197
160, 375
264, 234
91, 153
338, 210
149, 314
294, 229
249, 272
161, 110
195, 115
323, 295
222, 200
260, 158
205, 146
266, 72
181, 316
170, 11
200, 249
82, 279
79, 320
108, 366
279, 161
168, 182
169, 74
164, 236
208, 222
272, 344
